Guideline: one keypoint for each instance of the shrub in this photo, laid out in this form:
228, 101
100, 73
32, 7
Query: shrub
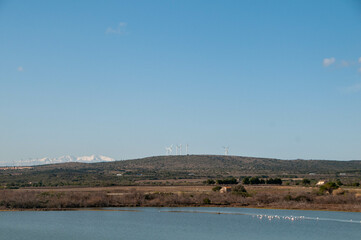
210, 181
239, 189
206, 201
339, 183
356, 184
328, 187
299, 198
306, 182
277, 181
216, 188
227, 181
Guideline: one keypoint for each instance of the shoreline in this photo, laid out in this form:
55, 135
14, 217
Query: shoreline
130, 208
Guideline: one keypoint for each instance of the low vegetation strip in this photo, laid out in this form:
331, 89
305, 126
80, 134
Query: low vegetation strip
262, 197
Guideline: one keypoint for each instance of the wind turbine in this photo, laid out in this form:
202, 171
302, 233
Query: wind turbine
226, 149
169, 149
180, 149
187, 149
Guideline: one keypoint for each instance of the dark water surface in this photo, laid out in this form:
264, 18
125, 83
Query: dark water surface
180, 223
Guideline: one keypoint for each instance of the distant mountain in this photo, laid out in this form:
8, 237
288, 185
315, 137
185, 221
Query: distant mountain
214, 165
66, 159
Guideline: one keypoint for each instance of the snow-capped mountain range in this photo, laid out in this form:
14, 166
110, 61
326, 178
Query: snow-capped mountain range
65, 159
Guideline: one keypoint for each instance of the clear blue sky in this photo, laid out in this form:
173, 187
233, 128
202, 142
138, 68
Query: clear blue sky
127, 78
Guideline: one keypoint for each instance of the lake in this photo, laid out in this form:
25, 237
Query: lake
180, 223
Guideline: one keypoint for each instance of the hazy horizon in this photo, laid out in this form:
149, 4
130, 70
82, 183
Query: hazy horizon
126, 79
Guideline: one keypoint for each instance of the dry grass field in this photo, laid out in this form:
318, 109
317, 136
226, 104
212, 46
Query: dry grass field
261, 196
125, 189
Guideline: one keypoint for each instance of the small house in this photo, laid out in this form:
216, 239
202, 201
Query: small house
320, 183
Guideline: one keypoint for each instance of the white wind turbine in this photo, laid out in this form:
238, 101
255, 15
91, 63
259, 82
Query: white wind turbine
187, 149
169, 149
180, 149
226, 150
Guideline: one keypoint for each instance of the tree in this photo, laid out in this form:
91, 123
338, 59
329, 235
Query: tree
328, 187
255, 180
246, 180
277, 181
210, 181
227, 181
306, 182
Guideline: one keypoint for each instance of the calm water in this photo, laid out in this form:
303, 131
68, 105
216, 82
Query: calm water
171, 223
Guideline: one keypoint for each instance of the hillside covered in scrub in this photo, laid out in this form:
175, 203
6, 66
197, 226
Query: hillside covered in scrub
173, 167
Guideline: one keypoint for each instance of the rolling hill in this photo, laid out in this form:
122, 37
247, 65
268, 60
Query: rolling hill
173, 167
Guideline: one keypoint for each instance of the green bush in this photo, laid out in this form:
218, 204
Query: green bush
306, 182
240, 190
227, 181
246, 180
339, 183
277, 181
256, 180
328, 187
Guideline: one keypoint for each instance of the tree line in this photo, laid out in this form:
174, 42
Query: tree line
246, 181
